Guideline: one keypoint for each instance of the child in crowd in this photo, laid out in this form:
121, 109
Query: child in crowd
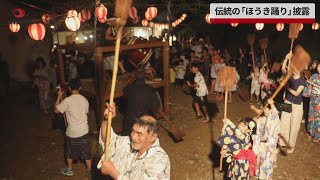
268, 85
213, 74
180, 73
236, 144
217, 86
265, 141
202, 91
255, 85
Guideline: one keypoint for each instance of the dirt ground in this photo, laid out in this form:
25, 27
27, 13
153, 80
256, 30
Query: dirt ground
31, 149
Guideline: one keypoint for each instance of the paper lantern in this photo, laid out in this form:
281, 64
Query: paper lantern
102, 20
279, 26
144, 23
152, 11
46, 18
184, 15
73, 23
208, 18
133, 12
234, 24
18, 13
166, 26
72, 12
37, 31
179, 21
151, 24
315, 26
182, 18
135, 20
14, 27
174, 24
101, 11
259, 26
85, 14
156, 25
81, 18
147, 16
300, 27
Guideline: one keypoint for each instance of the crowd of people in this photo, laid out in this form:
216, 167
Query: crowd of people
250, 148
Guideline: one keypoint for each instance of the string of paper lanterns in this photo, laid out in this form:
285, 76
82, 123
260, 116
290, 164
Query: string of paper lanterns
175, 23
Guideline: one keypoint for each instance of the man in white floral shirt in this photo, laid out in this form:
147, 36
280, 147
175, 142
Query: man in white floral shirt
137, 157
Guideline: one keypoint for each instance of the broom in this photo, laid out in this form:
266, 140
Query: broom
176, 133
264, 45
227, 77
121, 12
293, 34
300, 59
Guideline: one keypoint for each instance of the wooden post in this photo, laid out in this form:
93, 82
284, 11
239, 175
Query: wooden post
100, 82
166, 77
61, 67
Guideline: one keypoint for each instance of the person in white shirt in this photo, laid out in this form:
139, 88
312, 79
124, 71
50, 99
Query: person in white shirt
180, 73
202, 91
138, 157
77, 143
255, 85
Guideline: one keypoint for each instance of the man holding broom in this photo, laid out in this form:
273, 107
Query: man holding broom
136, 157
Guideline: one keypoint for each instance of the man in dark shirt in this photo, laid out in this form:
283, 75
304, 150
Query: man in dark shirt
142, 100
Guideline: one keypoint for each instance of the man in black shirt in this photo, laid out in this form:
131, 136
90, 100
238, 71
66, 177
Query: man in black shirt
142, 100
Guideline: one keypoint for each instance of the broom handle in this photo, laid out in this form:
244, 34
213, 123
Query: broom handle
225, 102
265, 56
276, 92
113, 84
225, 116
291, 46
220, 166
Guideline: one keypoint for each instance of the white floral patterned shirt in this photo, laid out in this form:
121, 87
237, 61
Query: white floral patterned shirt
202, 89
153, 164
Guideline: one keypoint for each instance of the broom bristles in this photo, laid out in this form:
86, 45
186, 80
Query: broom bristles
227, 77
264, 43
293, 30
300, 58
121, 11
251, 38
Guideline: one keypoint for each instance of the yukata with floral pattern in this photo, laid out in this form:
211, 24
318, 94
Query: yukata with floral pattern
265, 143
313, 91
235, 142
